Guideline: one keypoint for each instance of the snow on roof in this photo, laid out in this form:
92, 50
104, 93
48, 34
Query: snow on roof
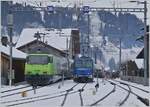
16, 53
52, 37
139, 63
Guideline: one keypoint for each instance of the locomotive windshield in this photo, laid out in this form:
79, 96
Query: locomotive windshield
84, 63
38, 59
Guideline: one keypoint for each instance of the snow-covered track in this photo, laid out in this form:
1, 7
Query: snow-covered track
47, 98
125, 99
7, 95
133, 86
31, 98
143, 100
80, 94
14, 89
67, 93
112, 91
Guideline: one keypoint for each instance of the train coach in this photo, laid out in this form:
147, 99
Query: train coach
40, 69
83, 69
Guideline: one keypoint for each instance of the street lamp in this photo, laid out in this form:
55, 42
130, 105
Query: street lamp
146, 59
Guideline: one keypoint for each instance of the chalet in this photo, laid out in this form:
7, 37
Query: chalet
134, 70
34, 40
37, 46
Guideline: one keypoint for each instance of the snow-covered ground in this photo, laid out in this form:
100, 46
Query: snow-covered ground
90, 95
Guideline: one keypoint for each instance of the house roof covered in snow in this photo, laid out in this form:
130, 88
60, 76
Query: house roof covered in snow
52, 37
15, 53
141, 54
139, 63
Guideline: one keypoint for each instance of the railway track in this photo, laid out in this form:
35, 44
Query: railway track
125, 99
7, 95
143, 100
14, 89
146, 91
80, 94
32, 99
101, 99
67, 93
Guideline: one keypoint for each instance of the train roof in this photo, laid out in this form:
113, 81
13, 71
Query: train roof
84, 57
41, 54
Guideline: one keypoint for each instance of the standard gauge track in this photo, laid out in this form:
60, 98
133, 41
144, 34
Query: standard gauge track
143, 100
80, 94
133, 86
112, 91
125, 99
67, 92
16, 89
7, 95
32, 99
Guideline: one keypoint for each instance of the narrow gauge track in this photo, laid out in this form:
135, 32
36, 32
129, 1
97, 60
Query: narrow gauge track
112, 91
67, 92
133, 86
47, 98
14, 89
143, 100
29, 89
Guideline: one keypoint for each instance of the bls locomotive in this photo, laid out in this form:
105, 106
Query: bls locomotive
83, 69
40, 69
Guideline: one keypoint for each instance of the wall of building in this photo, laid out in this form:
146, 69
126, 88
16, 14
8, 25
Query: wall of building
18, 66
135, 79
4, 68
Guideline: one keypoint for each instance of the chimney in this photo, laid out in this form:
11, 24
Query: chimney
4, 40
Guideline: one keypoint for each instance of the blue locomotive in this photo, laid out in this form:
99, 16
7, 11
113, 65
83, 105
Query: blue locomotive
83, 69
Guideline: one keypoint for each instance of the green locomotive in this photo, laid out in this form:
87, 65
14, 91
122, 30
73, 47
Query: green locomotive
41, 68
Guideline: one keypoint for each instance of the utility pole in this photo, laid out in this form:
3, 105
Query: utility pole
96, 63
145, 44
10, 33
60, 29
146, 59
120, 56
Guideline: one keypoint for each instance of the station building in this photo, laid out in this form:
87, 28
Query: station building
18, 64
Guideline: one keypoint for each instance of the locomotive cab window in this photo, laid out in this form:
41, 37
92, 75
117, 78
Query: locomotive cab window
51, 59
37, 59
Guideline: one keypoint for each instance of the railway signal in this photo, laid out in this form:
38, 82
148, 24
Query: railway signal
50, 9
86, 9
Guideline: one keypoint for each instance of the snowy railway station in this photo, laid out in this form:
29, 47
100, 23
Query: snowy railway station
74, 53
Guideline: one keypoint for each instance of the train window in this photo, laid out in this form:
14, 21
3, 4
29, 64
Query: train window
51, 59
37, 59
27, 59
78, 63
